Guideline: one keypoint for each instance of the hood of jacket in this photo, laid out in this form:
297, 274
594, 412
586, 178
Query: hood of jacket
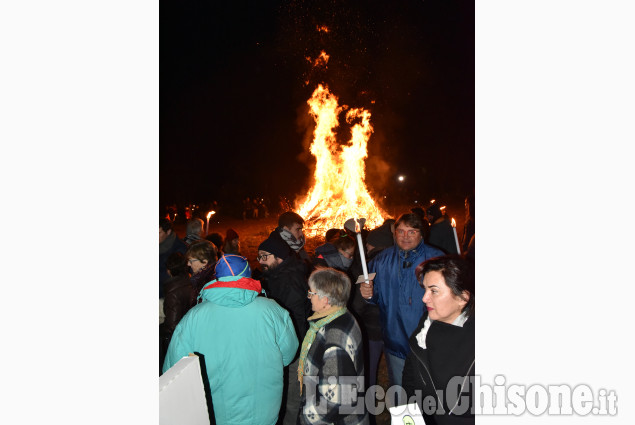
231, 291
331, 256
326, 249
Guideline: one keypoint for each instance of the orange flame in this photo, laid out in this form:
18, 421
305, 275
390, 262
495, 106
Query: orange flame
339, 191
453, 223
321, 60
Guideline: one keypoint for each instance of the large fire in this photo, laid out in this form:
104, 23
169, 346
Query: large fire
338, 191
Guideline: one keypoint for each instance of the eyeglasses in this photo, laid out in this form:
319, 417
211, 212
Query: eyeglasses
191, 260
402, 232
263, 257
311, 294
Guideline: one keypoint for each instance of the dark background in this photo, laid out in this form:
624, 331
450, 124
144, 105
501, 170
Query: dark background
234, 81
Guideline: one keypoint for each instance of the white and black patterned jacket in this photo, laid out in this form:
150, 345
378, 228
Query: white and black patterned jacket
333, 390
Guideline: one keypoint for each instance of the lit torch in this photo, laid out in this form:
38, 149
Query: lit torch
456, 239
356, 226
209, 214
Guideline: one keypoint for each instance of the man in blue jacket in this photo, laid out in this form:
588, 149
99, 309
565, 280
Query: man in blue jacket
245, 341
397, 292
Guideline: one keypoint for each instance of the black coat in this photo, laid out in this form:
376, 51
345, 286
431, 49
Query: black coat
449, 354
287, 285
178, 300
441, 235
169, 246
367, 314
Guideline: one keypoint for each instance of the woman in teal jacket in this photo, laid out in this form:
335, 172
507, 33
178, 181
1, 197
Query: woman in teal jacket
245, 341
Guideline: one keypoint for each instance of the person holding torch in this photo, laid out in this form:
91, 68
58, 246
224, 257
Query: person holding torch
396, 290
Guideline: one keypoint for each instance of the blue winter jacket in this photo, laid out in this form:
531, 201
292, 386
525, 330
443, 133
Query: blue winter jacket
246, 341
398, 294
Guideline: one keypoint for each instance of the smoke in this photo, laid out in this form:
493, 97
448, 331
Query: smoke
305, 126
378, 164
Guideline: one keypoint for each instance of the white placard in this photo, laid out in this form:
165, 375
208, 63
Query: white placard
361, 277
407, 414
182, 395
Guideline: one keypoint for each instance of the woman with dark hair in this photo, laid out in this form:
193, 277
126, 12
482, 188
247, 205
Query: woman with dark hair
201, 257
441, 358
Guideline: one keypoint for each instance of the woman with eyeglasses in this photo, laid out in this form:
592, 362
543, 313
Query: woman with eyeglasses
201, 257
331, 355
441, 359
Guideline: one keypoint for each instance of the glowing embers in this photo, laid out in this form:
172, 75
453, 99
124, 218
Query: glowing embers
321, 60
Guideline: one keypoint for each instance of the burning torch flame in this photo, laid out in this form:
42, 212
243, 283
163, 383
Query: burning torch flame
211, 213
453, 223
339, 191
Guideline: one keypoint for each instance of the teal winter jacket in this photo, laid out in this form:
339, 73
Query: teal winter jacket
245, 341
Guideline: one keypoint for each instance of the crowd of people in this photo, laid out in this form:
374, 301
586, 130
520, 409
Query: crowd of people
283, 344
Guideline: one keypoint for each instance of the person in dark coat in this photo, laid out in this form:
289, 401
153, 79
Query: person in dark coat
177, 301
442, 346
169, 243
232, 243
441, 234
284, 280
217, 240
470, 227
194, 231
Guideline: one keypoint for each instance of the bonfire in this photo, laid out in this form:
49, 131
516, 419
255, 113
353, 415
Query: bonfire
339, 191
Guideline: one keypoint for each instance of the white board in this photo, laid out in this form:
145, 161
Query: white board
406, 415
182, 395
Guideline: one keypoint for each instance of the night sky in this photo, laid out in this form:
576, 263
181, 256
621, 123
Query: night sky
233, 89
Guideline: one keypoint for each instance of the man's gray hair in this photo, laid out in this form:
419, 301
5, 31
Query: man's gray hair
194, 227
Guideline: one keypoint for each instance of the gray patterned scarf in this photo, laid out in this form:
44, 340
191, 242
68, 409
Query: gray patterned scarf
295, 244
